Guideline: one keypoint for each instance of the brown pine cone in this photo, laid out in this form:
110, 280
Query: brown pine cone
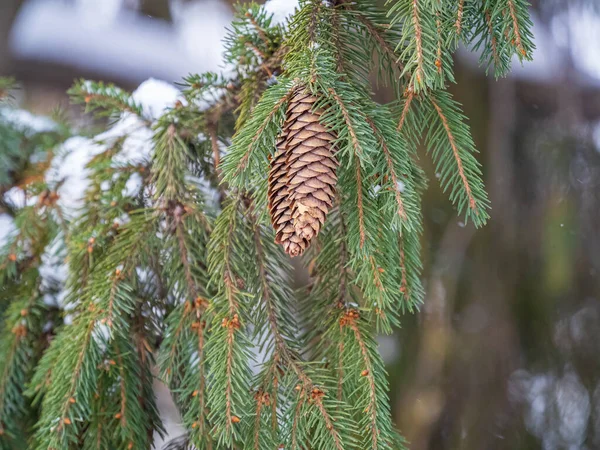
279, 203
311, 165
302, 178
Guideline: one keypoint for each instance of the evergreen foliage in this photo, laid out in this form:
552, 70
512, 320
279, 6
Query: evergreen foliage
182, 279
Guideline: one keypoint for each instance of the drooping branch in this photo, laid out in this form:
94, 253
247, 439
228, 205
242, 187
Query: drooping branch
457, 157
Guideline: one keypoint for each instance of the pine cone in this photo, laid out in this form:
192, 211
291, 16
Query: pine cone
279, 203
302, 177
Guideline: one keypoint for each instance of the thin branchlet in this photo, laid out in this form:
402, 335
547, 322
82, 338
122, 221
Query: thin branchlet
457, 157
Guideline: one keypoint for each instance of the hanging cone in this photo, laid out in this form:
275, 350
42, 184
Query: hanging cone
311, 165
302, 177
279, 203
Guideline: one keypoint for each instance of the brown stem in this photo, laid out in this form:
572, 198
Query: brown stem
123, 392
419, 40
516, 28
407, 103
459, 17
495, 55
361, 214
214, 143
257, 424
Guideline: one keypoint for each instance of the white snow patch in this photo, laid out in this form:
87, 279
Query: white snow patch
69, 172
17, 198
104, 37
137, 146
156, 96
133, 185
211, 95
54, 272
26, 122
7, 228
281, 9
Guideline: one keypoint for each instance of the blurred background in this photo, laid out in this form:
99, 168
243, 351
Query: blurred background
505, 353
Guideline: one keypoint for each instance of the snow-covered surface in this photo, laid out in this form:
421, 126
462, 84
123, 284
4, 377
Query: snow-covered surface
105, 37
281, 9
25, 121
579, 29
133, 185
7, 228
54, 272
155, 97
69, 172
16, 197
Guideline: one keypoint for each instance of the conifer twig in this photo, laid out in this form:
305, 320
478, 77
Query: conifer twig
516, 28
456, 153
409, 98
418, 40
459, 17
377, 35
284, 351
368, 372
361, 211
390, 165
490, 26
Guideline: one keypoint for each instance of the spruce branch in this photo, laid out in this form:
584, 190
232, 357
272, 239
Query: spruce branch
471, 197
183, 366
19, 349
520, 34
104, 99
418, 46
228, 351
327, 419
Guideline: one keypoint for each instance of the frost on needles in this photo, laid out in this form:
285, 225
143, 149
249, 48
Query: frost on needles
169, 260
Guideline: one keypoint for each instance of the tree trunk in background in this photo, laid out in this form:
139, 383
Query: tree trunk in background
8, 11
156, 8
